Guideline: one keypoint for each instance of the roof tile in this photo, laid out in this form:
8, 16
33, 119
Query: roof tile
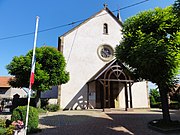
4, 81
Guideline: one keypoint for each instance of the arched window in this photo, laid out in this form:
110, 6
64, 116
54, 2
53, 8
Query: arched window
105, 28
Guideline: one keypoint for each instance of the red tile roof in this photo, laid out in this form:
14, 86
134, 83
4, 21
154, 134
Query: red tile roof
4, 81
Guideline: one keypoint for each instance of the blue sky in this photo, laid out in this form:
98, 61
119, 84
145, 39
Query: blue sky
19, 16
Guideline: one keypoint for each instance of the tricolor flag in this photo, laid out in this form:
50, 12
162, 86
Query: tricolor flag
31, 81
32, 70
34, 58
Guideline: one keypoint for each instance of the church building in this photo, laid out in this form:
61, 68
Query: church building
97, 79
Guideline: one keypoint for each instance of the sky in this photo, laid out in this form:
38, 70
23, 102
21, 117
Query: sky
18, 17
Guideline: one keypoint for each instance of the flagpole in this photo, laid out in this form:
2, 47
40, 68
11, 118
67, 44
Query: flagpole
30, 83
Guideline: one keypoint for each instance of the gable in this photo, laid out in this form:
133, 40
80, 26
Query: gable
98, 14
83, 45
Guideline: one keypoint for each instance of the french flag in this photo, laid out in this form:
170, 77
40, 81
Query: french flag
34, 58
32, 71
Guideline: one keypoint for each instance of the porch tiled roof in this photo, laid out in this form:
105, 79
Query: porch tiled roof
4, 81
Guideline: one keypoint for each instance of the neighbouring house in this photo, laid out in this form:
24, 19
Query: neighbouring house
97, 79
6, 91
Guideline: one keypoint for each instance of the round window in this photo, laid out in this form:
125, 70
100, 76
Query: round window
105, 52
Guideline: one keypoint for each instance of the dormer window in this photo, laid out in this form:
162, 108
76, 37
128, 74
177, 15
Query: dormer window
105, 28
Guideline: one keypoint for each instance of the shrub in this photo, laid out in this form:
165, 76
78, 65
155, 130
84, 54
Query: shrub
41, 110
156, 105
20, 114
9, 130
2, 131
2, 123
154, 98
52, 107
155, 93
174, 105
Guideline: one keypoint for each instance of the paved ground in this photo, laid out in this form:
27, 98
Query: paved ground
95, 122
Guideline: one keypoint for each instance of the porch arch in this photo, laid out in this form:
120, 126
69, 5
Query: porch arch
111, 73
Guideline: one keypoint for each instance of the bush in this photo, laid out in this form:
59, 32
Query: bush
52, 107
2, 131
154, 98
9, 130
174, 105
2, 123
156, 105
41, 110
155, 94
19, 113
5, 127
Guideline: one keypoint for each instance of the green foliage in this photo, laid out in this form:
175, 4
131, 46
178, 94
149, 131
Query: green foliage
19, 113
174, 105
9, 130
154, 98
41, 111
49, 71
155, 94
2, 131
176, 7
156, 105
2, 123
151, 46
52, 107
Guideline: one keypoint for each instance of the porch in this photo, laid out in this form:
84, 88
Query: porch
112, 84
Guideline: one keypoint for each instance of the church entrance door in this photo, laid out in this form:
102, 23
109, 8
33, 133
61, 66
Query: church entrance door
112, 95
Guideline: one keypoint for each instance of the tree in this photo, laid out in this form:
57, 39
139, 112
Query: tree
49, 71
154, 95
151, 48
176, 7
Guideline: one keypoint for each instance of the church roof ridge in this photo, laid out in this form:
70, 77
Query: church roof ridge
91, 17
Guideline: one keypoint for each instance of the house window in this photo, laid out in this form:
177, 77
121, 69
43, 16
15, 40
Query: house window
105, 28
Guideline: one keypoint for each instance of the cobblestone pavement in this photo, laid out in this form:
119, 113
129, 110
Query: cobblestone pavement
96, 122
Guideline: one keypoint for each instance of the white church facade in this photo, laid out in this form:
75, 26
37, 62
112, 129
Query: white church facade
97, 79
